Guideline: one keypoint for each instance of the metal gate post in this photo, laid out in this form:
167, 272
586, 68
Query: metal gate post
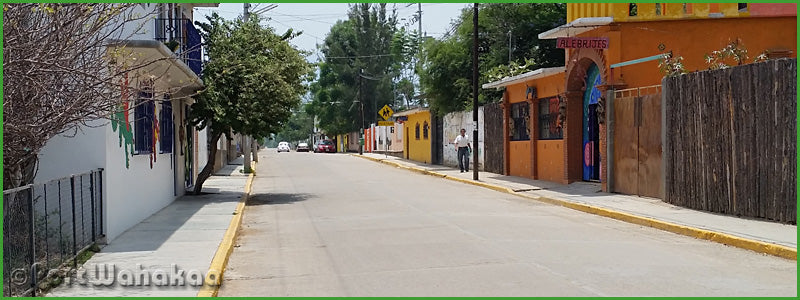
31, 236
74, 229
91, 200
610, 94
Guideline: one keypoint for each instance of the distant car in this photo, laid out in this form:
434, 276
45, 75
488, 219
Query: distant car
302, 147
325, 146
283, 147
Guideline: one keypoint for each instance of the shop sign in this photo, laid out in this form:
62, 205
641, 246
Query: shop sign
590, 42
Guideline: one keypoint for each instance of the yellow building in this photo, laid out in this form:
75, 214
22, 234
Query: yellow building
417, 134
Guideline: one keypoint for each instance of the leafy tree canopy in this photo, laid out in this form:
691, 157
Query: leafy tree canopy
445, 69
364, 56
253, 80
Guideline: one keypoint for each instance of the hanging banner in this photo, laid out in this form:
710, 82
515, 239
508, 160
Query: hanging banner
590, 42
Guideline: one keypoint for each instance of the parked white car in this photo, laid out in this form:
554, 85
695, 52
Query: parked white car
283, 147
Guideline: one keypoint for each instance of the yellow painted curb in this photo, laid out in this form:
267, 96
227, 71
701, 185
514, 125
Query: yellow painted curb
757, 246
220, 261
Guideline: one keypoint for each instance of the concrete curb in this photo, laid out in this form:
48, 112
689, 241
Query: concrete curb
753, 245
213, 278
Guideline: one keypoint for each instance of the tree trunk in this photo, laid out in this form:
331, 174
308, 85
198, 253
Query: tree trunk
254, 145
206, 172
246, 149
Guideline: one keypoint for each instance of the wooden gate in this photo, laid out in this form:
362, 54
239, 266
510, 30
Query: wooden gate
637, 142
493, 138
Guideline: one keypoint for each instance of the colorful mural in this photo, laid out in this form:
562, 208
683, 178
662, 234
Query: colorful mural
591, 132
119, 121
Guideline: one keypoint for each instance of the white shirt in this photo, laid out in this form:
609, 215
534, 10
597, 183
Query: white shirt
461, 141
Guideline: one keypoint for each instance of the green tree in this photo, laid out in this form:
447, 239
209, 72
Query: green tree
358, 69
445, 68
253, 80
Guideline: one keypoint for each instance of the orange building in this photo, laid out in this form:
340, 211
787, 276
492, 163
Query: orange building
612, 52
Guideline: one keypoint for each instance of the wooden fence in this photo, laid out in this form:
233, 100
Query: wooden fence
730, 143
493, 128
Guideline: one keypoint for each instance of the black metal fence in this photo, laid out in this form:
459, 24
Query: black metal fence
46, 226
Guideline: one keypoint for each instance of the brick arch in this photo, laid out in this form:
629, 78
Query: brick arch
579, 62
572, 116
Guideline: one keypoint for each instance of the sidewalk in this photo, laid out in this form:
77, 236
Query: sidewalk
762, 236
179, 242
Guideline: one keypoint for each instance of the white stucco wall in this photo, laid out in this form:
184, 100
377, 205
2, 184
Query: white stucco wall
130, 194
202, 149
134, 193
63, 155
453, 122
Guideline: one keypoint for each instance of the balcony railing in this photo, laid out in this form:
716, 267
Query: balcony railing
181, 37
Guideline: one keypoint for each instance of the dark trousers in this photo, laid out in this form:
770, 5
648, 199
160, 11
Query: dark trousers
463, 158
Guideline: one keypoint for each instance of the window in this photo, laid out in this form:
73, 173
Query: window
425, 130
548, 120
166, 126
658, 9
416, 131
742, 7
519, 122
633, 10
143, 123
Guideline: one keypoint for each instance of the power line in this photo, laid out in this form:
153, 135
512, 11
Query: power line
324, 22
360, 56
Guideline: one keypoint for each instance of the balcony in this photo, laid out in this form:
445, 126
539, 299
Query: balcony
180, 36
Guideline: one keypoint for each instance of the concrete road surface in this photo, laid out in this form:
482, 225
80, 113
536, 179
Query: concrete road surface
336, 225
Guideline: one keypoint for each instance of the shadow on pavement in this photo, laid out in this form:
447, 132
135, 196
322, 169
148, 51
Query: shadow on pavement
276, 198
182, 214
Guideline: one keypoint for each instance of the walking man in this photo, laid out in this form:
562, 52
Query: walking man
462, 144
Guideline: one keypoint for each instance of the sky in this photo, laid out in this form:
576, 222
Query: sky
316, 19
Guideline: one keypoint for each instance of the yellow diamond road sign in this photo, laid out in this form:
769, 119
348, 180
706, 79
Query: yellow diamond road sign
386, 112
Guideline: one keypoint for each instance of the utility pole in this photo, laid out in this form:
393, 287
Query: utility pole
475, 92
361, 104
509, 46
246, 13
419, 14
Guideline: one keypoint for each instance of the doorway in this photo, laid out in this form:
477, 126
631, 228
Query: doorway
591, 126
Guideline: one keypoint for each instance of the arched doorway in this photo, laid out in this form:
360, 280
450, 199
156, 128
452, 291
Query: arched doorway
591, 127
586, 69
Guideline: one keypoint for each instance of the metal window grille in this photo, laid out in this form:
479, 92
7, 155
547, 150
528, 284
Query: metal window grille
143, 123
166, 126
519, 115
548, 120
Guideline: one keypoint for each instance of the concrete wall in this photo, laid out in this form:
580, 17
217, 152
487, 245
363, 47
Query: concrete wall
397, 138
59, 156
453, 122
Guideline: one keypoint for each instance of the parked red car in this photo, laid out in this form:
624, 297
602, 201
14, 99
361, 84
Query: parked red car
325, 146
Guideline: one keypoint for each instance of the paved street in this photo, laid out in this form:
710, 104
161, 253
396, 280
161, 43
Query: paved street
336, 225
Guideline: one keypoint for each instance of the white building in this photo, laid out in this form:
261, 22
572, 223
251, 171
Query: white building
150, 155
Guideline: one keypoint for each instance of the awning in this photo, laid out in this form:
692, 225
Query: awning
535, 74
575, 27
155, 59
